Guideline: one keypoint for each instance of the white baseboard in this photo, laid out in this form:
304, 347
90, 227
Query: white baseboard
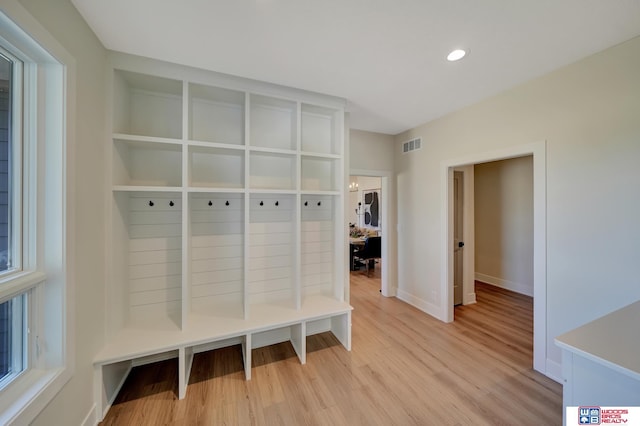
554, 371
469, 299
527, 290
391, 292
90, 419
423, 305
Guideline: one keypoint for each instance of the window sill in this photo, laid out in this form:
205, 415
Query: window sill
15, 283
23, 400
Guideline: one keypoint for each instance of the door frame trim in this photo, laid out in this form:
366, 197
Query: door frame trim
538, 150
386, 195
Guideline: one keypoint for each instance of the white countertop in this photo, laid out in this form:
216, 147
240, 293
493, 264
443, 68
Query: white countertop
612, 340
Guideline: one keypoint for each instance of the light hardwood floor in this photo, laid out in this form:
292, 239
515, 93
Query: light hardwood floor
405, 368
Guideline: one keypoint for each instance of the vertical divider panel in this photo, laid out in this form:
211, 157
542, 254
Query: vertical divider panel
185, 362
341, 277
186, 217
341, 328
247, 199
297, 258
186, 258
299, 340
246, 354
297, 277
99, 396
340, 255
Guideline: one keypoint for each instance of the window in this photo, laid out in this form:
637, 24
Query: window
13, 338
36, 289
13, 320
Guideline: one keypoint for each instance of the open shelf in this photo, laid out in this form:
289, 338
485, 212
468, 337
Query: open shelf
319, 130
145, 163
216, 114
272, 171
319, 174
216, 167
147, 105
273, 123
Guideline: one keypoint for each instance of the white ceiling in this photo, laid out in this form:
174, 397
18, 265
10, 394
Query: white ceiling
387, 58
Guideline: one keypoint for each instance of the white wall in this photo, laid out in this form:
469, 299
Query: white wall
588, 114
504, 223
370, 151
64, 23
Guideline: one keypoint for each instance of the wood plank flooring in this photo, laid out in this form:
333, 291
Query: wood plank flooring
405, 368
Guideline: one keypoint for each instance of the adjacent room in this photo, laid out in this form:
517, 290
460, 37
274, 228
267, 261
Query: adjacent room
295, 212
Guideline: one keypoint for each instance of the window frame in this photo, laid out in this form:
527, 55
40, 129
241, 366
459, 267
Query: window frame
46, 276
16, 165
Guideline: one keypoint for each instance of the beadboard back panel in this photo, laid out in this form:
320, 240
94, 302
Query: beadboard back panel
155, 255
217, 253
271, 249
317, 245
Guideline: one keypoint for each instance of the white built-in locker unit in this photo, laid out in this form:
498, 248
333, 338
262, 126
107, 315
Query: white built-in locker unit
226, 201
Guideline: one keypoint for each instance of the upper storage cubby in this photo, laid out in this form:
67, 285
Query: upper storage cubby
319, 174
319, 130
272, 171
147, 105
145, 163
273, 123
216, 115
216, 167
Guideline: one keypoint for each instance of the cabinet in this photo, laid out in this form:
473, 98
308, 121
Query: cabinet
600, 363
227, 218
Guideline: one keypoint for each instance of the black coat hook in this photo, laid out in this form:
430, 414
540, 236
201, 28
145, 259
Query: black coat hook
277, 203
150, 203
227, 203
210, 203
319, 203
306, 203
171, 203
261, 203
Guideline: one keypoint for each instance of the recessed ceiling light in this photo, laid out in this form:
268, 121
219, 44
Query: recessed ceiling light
456, 55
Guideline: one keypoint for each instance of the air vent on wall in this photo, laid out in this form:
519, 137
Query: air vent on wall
412, 145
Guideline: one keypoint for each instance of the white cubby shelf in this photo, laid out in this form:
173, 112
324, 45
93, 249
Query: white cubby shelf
227, 219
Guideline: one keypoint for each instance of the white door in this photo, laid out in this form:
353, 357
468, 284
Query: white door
458, 243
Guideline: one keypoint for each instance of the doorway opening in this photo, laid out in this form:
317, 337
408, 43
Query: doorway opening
368, 215
538, 151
